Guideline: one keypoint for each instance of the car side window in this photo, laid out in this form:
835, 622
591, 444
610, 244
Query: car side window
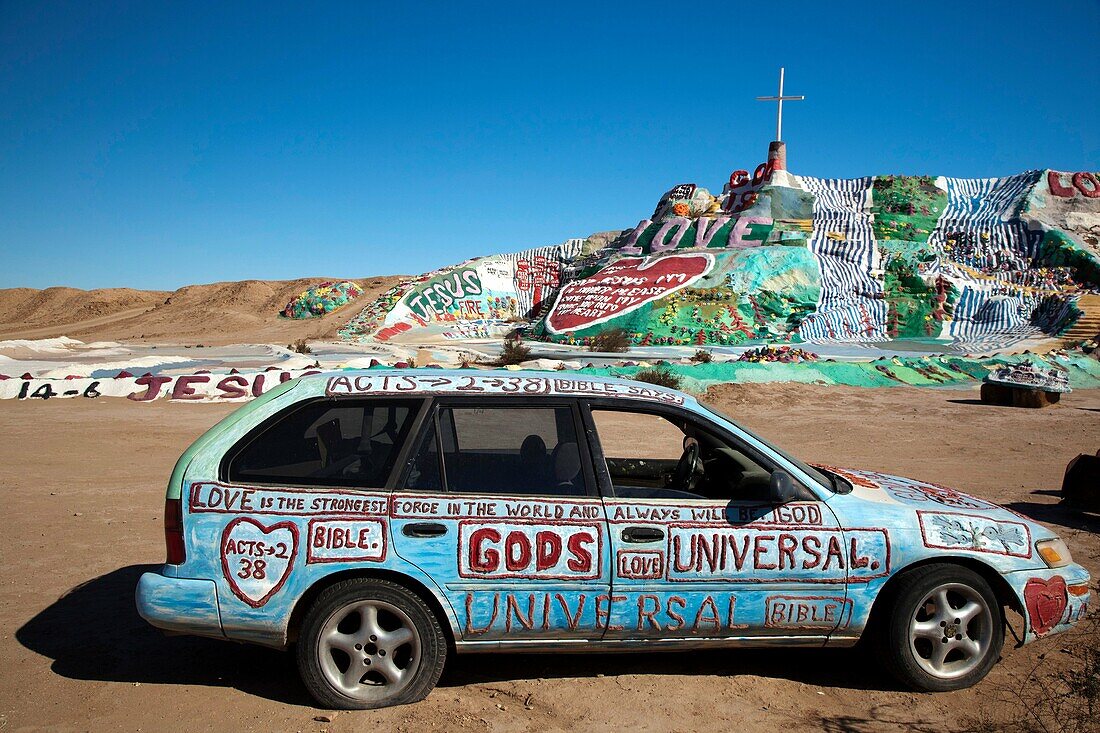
325, 443
498, 449
649, 456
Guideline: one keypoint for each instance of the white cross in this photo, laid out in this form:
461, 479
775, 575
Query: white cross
780, 99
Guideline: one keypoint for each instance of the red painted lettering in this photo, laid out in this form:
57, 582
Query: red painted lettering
711, 617
1086, 184
488, 560
472, 630
834, 552
811, 546
548, 550
517, 551
1054, 180
646, 615
582, 556
788, 543
152, 384
182, 389
571, 619
234, 387
855, 560
512, 609
759, 550
682, 603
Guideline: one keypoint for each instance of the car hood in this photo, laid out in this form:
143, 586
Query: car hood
927, 497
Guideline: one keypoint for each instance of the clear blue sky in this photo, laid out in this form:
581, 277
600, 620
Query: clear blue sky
154, 145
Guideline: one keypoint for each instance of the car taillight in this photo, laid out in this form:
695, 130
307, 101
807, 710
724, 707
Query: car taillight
173, 531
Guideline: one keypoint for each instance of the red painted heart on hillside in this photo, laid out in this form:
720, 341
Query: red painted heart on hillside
623, 286
257, 559
1046, 602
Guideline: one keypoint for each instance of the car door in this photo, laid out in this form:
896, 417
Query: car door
303, 494
499, 507
720, 559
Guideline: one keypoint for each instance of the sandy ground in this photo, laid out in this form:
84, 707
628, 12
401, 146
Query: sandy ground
81, 491
214, 314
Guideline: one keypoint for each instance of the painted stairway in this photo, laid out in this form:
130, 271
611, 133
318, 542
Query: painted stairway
1087, 325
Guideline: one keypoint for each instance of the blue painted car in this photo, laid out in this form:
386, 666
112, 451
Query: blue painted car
380, 520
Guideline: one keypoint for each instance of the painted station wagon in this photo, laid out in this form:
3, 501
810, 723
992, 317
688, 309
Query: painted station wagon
380, 520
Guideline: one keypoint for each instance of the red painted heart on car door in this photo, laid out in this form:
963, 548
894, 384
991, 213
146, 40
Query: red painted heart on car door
257, 559
623, 286
1046, 602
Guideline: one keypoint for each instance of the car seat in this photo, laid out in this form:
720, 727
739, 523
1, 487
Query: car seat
534, 464
567, 469
329, 442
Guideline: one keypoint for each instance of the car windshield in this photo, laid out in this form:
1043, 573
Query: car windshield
834, 482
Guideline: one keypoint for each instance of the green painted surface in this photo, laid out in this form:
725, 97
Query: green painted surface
935, 371
752, 295
906, 207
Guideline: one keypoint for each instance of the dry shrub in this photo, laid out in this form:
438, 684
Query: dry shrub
1060, 693
660, 377
611, 341
514, 352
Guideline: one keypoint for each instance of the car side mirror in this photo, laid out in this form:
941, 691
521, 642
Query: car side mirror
783, 488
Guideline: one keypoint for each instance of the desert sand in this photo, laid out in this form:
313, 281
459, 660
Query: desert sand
82, 488
214, 314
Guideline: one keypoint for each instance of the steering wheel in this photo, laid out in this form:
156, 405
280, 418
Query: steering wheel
683, 479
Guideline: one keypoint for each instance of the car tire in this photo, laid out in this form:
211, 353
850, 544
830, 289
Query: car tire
943, 628
378, 629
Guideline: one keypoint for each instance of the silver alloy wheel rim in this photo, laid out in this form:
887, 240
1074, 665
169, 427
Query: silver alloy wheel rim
377, 657
950, 631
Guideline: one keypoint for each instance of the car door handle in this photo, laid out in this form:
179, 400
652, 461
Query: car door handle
424, 529
643, 534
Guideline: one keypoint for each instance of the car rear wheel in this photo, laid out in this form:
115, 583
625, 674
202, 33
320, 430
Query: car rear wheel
369, 643
944, 629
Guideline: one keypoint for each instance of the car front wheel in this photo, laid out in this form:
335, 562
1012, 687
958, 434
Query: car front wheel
944, 629
369, 643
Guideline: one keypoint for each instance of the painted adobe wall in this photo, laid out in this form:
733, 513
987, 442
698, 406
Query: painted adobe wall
976, 263
482, 298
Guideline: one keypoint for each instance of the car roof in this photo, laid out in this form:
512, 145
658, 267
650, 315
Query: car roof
473, 382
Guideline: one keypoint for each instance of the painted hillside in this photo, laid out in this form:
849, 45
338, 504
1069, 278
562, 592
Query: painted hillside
972, 264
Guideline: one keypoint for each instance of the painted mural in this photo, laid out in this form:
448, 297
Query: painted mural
322, 299
782, 363
482, 298
198, 387
975, 264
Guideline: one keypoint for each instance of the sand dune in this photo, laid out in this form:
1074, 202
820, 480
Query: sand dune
44, 307
218, 313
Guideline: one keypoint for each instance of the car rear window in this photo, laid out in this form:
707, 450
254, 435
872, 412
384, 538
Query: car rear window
326, 443
500, 450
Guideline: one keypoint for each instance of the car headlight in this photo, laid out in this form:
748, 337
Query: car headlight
1054, 553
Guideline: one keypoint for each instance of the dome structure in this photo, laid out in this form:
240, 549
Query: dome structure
321, 299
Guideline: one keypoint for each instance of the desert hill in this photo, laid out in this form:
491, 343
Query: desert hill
216, 313
973, 265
